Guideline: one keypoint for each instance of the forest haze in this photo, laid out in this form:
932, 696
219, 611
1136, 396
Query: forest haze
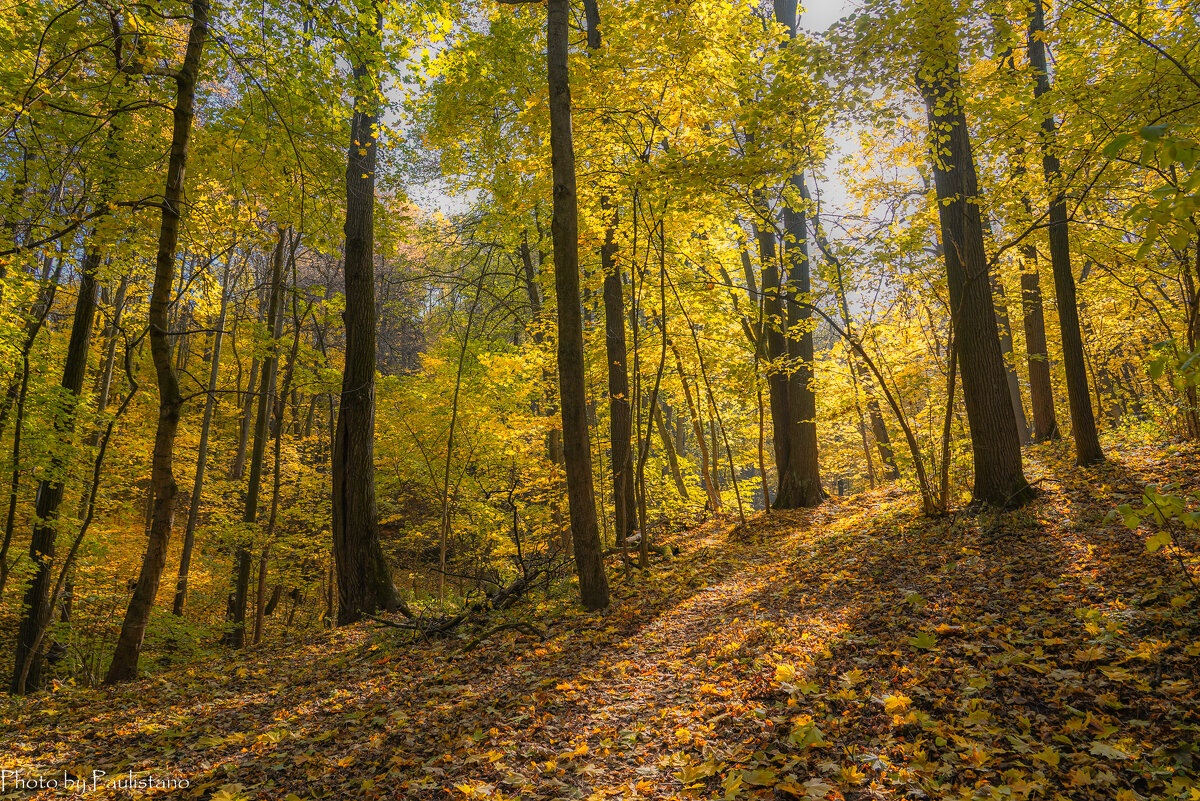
600, 399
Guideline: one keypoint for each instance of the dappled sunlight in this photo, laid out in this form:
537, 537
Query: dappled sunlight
853, 651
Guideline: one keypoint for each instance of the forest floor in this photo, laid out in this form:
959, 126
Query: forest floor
857, 651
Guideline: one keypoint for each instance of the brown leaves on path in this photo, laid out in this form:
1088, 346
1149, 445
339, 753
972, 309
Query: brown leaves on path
857, 651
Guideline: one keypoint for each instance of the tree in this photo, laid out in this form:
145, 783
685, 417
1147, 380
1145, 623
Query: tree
37, 609
1083, 421
162, 480
564, 227
999, 478
363, 577
620, 410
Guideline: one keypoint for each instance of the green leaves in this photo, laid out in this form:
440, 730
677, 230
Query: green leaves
923, 641
1117, 145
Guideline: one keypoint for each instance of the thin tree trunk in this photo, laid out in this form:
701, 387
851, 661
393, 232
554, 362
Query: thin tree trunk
1000, 301
1041, 394
672, 458
235, 637
238, 468
18, 393
593, 584
1083, 422
133, 629
944, 477
620, 412
714, 498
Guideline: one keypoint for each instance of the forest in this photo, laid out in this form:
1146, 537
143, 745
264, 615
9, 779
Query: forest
585, 399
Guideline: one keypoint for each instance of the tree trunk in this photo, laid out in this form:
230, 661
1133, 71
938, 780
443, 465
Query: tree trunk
774, 322
1083, 422
364, 578
36, 610
593, 583
799, 474
133, 629
620, 411
1004, 328
189, 534
238, 468
996, 446
714, 497
672, 458
1041, 394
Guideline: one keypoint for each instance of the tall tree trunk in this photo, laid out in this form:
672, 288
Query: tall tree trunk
17, 394
996, 446
210, 400
774, 323
799, 475
1041, 394
112, 333
1083, 422
36, 610
593, 583
364, 578
133, 629
620, 411
861, 374
706, 470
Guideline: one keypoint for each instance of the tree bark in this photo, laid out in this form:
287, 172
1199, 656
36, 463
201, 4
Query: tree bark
364, 578
620, 411
589, 563
36, 610
995, 444
133, 629
799, 474
1083, 422
1041, 394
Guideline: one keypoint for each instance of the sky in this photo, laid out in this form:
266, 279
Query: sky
820, 14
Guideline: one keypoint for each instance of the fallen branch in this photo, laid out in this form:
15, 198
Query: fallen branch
526, 628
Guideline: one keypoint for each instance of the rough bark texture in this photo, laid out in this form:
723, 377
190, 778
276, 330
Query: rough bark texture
799, 472
162, 476
995, 443
1083, 422
37, 608
593, 583
363, 577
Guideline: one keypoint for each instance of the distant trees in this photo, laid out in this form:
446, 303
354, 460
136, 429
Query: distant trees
693, 242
